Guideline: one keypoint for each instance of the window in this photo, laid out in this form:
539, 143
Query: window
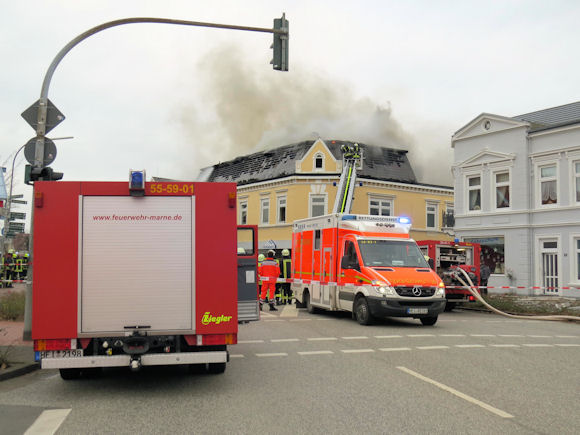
474, 193
432, 215
265, 210
243, 218
281, 209
318, 162
350, 254
380, 206
548, 184
577, 256
502, 189
317, 205
577, 180
492, 252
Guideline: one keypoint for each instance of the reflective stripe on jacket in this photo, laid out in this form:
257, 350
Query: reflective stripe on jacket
269, 270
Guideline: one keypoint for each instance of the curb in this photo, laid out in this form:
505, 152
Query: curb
19, 371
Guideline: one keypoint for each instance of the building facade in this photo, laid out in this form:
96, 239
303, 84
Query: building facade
297, 181
517, 192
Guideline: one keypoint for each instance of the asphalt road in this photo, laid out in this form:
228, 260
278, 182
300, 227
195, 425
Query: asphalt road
293, 372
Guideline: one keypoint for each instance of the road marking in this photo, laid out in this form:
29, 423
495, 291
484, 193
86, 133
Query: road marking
250, 341
420, 335
300, 320
481, 335
357, 350
394, 349
538, 345
509, 335
322, 339
284, 340
289, 311
388, 336
451, 335
432, 347
274, 320
271, 354
469, 345
568, 345
504, 345
459, 394
316, 352
48, 422
360, 337
540, 336
236, 355
566, 336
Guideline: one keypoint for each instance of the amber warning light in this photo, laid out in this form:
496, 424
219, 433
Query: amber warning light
232, 199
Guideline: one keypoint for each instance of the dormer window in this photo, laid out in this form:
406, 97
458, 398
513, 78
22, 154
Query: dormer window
319, 162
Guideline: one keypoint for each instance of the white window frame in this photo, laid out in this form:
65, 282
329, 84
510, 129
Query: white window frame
316, 156
575, 199
381, 200
495, 185
539, 239
279, 200
468, 189
538, 182
435, 212
574, 260
264, 207
311, 196
243, 208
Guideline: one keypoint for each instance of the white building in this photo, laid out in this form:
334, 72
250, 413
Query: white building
517, 192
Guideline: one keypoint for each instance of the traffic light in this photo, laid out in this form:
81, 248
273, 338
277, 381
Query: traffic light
32, 174
280, 45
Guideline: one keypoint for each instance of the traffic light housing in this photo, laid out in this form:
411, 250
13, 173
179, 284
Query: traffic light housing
280, 44
32, 174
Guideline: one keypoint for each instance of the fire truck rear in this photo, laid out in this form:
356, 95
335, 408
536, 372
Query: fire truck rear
134, 277
447, 256
367, 265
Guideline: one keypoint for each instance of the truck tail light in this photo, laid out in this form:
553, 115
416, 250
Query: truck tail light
210, 339
232, 199
55, 344
38, 199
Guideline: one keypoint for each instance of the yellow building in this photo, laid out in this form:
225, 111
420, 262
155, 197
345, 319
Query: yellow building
277, 187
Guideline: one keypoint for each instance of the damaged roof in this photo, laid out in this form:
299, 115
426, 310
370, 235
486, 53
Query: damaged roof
553, 117
379, 163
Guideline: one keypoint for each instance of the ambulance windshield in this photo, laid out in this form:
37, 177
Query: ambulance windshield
391, 253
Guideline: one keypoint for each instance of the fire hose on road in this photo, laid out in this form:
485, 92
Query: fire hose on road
475, 293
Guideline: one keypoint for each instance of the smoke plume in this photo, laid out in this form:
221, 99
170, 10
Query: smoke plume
246, 111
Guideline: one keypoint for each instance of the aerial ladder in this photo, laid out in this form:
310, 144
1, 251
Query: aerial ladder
351, 159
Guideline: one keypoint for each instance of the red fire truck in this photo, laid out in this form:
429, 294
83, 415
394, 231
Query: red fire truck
364, 264
447, 256
133, 277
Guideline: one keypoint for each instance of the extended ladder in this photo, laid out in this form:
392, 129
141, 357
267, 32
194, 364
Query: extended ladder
351, 157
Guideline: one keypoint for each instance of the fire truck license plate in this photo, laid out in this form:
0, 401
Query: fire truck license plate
417, 310
72, 353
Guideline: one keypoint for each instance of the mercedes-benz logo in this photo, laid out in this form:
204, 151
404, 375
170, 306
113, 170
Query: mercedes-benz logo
417, 290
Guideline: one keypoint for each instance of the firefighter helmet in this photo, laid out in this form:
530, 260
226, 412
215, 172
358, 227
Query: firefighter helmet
261, 257
285, 253
271, 253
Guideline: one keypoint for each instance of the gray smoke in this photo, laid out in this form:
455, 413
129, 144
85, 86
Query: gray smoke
251, 111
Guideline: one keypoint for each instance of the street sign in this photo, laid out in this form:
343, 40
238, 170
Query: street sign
49, 151
16, 227
53, 116
17, 215
18, 201
20, 195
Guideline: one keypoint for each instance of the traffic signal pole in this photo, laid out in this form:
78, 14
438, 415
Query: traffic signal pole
280, 30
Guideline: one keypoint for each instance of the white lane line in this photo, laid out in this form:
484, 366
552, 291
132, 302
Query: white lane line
357, 350
316, 352
420, 335
538, 345
481, 335
394, 349
360, 337
284, 340
504, 345
322, 339
271, 354
48, 422
250, 341
451, 335
236, 355
432, 347
540, 336
388, 336
300, 320
469, 345
566, 336
459, 394
509, 335
568, 345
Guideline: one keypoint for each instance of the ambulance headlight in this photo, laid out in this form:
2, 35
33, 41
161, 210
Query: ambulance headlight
440, 292
386, 290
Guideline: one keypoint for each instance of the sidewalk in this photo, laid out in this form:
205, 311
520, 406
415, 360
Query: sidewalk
19, 353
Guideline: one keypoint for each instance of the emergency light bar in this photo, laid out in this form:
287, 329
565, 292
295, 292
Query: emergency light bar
371, 218
137, 182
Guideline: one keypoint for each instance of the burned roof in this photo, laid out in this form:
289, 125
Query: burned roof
553, 117
379, 163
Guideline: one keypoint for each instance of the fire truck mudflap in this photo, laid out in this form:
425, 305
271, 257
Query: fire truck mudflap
123, 280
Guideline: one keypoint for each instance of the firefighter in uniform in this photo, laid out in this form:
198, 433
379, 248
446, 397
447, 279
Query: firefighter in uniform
261, 258
285, 273
269, 271
8, 268
25, 265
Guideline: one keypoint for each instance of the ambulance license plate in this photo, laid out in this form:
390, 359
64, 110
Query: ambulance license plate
71, 353
421, 310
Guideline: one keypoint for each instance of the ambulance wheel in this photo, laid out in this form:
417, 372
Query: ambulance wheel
68, 374
216, 368
362, 311
309, 307
429, 321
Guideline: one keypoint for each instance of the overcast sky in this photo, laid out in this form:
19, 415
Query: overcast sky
173, 99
